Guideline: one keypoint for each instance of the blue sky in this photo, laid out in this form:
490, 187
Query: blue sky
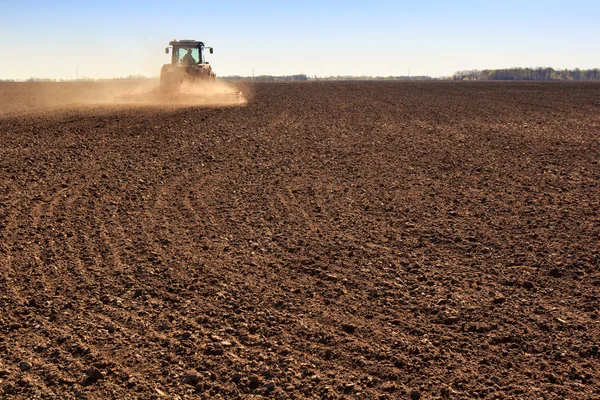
120, 38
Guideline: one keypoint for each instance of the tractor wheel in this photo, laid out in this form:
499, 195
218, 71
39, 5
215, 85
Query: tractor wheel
169, 80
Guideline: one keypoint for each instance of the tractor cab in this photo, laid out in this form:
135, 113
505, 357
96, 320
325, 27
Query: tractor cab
187, 52
187, 65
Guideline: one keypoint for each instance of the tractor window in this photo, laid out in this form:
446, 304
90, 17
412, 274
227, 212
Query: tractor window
183, 58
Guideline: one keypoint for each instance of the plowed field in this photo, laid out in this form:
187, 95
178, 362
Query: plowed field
325, 240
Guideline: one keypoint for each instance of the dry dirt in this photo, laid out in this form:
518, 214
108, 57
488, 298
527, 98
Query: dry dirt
326, 240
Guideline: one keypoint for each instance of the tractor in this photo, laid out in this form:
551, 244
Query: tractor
187, 65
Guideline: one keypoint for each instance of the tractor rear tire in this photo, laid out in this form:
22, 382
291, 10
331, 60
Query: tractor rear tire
169, 80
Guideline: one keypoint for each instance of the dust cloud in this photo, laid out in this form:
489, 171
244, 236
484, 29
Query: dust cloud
201, 93
40, 97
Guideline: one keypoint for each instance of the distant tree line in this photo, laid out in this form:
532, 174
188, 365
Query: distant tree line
303, 77
528, 74
376, 78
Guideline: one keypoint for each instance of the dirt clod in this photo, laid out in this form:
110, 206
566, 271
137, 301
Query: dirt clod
528, 285
555, 273
8, 389
236, 377
94, 375
25, 365
254, 381
165, 326
349, 388
191, 379
349, 328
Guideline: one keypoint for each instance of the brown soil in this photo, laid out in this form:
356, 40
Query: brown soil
326, 240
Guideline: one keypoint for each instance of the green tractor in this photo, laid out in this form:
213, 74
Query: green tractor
187, 65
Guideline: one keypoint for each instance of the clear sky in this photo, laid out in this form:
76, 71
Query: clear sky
119, 38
